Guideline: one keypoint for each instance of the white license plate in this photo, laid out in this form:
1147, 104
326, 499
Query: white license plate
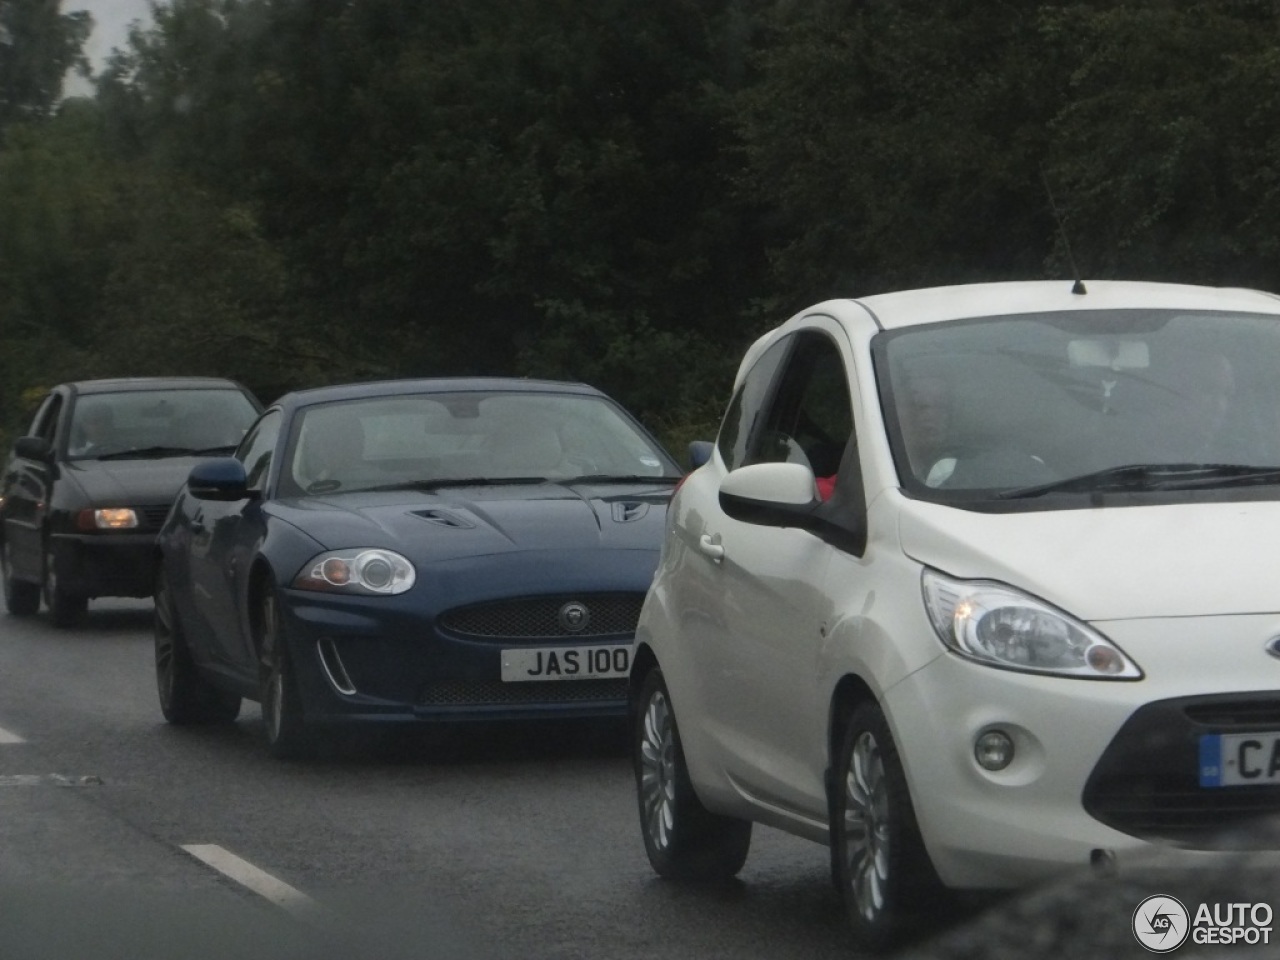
566, 663
1239, 759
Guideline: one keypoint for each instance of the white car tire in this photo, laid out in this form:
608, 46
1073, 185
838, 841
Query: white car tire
684, 840
880, 864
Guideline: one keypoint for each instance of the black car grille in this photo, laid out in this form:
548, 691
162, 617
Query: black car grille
152, 518
1147, 782
539, 618
476, 693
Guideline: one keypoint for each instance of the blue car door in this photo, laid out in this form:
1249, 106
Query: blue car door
222, 553
226, 536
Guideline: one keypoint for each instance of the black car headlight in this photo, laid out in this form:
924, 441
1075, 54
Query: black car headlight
107, 518
359, 570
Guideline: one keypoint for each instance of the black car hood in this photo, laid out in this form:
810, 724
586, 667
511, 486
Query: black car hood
130, 481
429, 527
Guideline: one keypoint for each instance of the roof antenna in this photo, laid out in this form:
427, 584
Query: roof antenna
1078, 286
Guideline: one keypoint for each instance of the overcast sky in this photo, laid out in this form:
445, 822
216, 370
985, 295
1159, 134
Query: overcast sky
111, 23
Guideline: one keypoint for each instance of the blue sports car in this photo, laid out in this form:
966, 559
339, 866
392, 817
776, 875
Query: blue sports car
439, 550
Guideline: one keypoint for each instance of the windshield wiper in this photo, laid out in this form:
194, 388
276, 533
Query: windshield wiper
1144, 477
150, 453
457, 482
617, 478
1225, 475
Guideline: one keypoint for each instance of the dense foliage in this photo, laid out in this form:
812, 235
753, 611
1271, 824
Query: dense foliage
292, 192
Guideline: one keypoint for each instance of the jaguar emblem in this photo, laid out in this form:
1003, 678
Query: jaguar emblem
574, 616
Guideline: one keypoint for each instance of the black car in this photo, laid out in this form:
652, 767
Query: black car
445, 551
87, 490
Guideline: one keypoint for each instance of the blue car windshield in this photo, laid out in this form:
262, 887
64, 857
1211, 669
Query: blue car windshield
429, 439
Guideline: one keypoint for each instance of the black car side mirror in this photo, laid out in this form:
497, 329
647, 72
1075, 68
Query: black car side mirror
33, 448
222, 478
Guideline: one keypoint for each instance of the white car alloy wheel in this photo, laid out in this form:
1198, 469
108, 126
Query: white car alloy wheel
657, 771
866, 827
684, 840
881, 867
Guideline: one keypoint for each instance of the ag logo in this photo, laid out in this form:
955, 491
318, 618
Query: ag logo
1161, 924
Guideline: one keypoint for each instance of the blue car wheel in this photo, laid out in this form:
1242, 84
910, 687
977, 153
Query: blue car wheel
286, 729
186, 697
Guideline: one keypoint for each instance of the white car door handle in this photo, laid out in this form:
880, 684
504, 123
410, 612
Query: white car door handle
710, 545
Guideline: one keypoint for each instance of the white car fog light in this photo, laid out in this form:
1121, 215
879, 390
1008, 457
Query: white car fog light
993, 750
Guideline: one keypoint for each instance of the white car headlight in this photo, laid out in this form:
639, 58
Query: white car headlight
1000, 626
360, 570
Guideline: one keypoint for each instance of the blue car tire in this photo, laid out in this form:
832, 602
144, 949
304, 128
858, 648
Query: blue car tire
186, 697
282, 717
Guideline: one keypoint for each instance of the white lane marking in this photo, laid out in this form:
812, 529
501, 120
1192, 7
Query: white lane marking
48, 779
7, 737
292, 901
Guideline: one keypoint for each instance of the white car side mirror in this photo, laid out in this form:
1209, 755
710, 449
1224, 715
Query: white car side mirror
789, 484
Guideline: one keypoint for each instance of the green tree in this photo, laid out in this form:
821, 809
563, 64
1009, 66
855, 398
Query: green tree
38, 45
482, 186
897, 144
1164, 153
58, 205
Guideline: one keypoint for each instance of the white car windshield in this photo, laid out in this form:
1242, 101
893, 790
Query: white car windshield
1083, 401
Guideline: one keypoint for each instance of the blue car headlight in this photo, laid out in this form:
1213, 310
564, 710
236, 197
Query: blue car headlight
359, 570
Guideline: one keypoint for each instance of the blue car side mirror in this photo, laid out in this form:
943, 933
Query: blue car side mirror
222, 478
700, 452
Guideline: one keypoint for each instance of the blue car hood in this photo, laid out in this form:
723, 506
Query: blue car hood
449, 524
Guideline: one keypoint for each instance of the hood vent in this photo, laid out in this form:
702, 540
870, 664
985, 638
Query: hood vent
628, 511
444, 518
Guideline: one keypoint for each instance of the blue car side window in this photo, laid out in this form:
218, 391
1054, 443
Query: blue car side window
255, 452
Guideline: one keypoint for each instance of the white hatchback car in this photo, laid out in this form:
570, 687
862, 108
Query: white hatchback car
978, 584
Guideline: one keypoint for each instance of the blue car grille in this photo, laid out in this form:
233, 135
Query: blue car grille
473, 693
540, 618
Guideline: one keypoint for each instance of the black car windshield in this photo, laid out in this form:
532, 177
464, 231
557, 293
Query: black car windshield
471, 438
147, 424
1019, 408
